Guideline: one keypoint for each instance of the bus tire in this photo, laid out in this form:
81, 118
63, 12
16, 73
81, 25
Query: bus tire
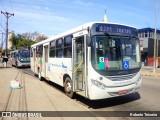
16, 64
39, 75
68, 87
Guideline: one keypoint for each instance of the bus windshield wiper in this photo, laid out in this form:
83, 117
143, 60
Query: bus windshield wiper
106, 34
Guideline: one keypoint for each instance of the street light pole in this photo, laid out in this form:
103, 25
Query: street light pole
155, 37
156, 33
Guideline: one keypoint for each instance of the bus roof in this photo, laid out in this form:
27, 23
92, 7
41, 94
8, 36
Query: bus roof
74, 30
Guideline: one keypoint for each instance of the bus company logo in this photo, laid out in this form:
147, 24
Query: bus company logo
61, 65
64, 66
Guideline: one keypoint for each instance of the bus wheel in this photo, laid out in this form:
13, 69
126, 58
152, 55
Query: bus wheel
68, 87
39, 75
16, 64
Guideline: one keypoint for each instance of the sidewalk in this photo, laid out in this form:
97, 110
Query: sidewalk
36, 95
3, 66
148, 71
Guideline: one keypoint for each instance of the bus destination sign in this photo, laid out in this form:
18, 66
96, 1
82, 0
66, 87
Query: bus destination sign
112, 28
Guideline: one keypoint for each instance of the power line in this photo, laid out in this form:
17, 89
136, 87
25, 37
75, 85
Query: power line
5, 10
11, 5
1, 31
2, 26
20, 23
2, 5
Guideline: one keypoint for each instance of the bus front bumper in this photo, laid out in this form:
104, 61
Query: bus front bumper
109, 92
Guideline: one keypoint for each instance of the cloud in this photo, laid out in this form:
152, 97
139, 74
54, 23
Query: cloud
40, 16
45, 23
46, 8
37, 7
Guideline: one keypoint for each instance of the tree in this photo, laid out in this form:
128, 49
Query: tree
21, 41
40, 38
25, 44
37, 36
14, 40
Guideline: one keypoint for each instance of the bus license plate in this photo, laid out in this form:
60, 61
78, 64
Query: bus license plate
121, 92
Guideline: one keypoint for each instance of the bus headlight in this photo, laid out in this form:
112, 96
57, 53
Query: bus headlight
140, 78
99, 84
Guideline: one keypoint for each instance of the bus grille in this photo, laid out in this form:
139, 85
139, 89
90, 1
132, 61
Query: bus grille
121, 78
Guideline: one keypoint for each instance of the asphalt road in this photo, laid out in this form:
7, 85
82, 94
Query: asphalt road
146, 100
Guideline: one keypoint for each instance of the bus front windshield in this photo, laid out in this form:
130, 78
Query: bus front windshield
24, 55
115, 54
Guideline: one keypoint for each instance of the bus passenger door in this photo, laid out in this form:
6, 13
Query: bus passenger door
79, 64
45, 61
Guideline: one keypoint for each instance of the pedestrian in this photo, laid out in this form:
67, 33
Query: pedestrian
4, 61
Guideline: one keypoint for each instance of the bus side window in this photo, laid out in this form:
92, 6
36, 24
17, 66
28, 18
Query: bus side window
59, 48
67, 51
59, 53
39, 51
52, 49
15, 55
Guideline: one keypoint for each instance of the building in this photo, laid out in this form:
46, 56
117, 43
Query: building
146, 36
9, 42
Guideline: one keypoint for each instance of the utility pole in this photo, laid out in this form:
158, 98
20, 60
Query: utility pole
156, 32
7, 15
155, 37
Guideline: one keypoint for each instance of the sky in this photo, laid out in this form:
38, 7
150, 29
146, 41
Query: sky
51, 17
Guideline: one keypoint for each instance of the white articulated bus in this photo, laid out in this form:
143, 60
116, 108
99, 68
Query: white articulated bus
96, 60
20, 58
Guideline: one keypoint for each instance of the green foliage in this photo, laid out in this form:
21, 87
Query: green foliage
40, 38
14, 40
21, 41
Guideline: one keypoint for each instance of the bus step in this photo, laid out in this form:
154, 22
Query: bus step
80, 92
47, 78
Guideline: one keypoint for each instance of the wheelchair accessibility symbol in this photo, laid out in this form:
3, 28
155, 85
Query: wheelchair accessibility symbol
125, 65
